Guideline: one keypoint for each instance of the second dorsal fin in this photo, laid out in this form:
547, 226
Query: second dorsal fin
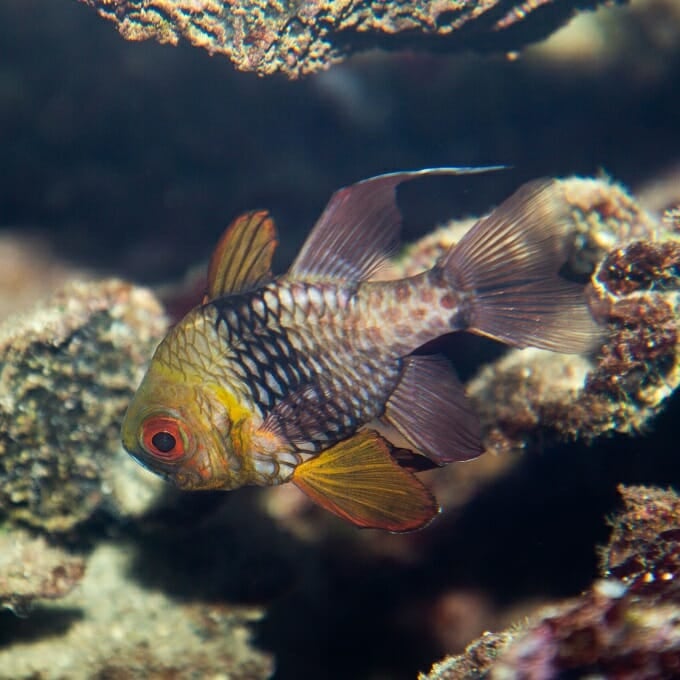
359, 228
242, 258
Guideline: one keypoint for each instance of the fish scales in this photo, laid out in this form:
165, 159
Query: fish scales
275, 380
325, 363
400, 316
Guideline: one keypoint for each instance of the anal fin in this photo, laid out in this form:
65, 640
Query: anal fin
429, 408
358, 480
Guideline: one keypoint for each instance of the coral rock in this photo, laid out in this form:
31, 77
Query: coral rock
118, 629
645, 539
68, 368
474, 663
31, 570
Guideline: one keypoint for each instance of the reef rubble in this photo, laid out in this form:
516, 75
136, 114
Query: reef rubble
114, 627
31, 570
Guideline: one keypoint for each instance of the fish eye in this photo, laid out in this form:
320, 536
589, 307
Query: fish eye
163, 437
164, 441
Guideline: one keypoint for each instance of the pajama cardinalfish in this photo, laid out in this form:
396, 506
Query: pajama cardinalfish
282, 379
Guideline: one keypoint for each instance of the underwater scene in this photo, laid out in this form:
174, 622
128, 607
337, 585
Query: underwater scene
339, 340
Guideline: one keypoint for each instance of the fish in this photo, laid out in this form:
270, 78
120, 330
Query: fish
302, 377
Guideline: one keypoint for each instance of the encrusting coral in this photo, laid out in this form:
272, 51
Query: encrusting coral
627, 625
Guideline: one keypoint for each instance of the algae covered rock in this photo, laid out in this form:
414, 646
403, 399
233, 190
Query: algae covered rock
32, 570
67, 370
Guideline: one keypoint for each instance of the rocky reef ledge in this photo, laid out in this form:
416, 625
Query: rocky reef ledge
298, 38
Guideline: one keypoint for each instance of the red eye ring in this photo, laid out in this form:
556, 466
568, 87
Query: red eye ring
163, 437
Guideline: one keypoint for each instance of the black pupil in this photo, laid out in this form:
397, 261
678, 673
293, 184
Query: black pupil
163, 441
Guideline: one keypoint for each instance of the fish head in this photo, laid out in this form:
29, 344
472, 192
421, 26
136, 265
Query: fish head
180, 429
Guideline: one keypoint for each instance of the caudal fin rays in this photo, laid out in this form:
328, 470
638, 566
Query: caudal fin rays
507, 266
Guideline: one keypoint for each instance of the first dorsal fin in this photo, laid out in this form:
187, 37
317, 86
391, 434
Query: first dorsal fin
359, 228
243, 256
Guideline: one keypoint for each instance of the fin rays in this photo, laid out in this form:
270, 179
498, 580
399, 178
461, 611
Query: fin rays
508, 263
430, 409
359, 228
358, 480
242, 259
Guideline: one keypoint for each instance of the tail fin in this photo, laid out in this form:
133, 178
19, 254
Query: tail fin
507, 263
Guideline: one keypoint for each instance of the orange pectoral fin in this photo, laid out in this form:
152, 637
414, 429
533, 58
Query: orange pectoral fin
359, 481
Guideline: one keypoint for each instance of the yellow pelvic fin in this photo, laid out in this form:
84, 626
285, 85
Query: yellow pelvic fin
242, 259
358, 480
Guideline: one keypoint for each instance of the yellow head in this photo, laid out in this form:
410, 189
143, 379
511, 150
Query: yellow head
179, 424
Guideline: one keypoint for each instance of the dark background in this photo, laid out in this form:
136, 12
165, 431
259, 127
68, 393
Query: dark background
134, 156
